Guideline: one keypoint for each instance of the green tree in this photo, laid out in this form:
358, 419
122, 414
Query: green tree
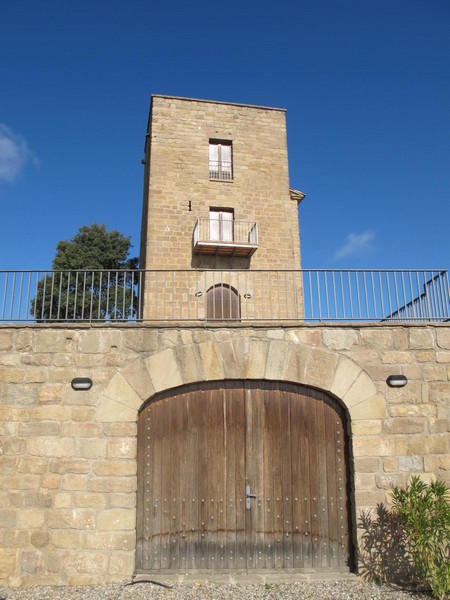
90, 279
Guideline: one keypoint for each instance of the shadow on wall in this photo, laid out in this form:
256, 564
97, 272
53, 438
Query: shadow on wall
383, 556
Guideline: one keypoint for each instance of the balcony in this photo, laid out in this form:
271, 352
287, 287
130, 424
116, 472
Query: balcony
327, 296
225, 238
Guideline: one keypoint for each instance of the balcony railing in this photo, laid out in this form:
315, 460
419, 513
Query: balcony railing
220, 169
225, 237
234, 295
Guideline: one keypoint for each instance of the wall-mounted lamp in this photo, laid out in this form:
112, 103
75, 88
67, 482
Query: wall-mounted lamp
396, 381
198, 294
81, 383
247, 296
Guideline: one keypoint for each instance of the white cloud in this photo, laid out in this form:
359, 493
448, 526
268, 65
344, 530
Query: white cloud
14, 154
355, 243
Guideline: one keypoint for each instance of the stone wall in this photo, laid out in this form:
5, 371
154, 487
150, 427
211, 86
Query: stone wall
178, 190
68, 463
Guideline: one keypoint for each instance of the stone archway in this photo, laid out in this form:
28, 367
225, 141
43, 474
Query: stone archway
241, 357
221, 355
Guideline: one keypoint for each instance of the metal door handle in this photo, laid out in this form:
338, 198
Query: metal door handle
248, 497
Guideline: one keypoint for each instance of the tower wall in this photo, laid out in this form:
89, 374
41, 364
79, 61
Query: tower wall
178, 189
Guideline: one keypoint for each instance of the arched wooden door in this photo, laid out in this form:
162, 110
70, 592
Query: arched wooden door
242, 475
222, 303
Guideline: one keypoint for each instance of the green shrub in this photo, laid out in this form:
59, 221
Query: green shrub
424, 513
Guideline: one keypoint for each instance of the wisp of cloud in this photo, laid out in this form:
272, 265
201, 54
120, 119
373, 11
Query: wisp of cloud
355, 244
14, 154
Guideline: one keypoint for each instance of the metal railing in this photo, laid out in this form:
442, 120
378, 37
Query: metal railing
229, 232
202, 295
220, 169
63, 296
376, 295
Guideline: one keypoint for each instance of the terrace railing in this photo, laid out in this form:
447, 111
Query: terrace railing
376, 295
224, 295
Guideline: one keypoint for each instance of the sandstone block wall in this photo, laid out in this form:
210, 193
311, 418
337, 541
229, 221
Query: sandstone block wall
68, 459
177, 173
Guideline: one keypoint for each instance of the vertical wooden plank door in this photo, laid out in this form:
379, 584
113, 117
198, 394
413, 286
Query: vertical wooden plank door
242, 475
222, 303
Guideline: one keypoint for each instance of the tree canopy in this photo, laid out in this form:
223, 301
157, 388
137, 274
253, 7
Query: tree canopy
90, 279
93, 247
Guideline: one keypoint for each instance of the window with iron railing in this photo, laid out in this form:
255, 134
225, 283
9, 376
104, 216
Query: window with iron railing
220, 160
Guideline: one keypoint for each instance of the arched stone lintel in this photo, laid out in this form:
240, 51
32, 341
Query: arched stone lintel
241, 358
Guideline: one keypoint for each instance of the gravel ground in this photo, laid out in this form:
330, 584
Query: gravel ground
349, 589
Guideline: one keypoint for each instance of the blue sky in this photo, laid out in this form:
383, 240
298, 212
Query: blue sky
366, 85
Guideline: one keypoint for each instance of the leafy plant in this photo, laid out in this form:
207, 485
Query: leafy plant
91, 279
424, 513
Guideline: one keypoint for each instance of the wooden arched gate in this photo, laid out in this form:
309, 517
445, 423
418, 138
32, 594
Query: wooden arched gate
242, 475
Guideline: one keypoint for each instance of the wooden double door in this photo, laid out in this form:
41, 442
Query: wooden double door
242, 475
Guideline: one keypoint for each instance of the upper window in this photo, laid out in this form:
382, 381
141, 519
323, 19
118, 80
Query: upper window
220, 160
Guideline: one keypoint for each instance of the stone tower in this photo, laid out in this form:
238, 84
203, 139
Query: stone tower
216, 199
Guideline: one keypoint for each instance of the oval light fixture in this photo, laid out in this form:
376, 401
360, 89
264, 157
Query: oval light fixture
81, 383
396, 381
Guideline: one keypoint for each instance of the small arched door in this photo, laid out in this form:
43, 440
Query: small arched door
222, 303
242, 475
